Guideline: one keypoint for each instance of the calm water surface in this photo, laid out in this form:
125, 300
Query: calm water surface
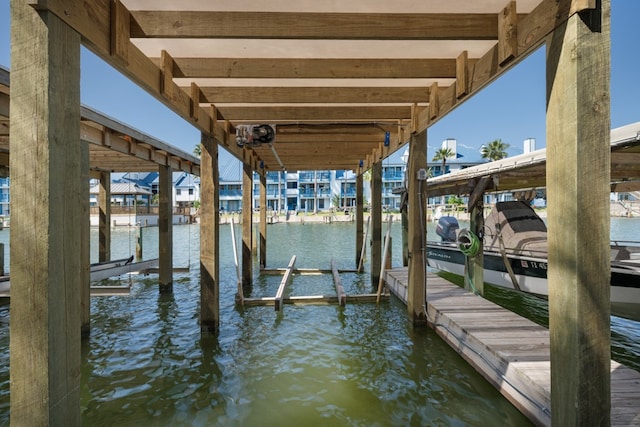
147, 364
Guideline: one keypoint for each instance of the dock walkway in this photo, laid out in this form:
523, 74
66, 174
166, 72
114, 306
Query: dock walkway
511, 352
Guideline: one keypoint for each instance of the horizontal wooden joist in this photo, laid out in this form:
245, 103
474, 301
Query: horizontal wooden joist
102, 26
294, 25
530, 32
314, 68
327, 147
330, 138
255, 114
114, 151
261, 94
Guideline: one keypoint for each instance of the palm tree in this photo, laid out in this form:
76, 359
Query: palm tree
442, 155
495, 150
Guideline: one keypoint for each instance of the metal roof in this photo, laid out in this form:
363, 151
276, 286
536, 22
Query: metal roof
528, 170
123, 188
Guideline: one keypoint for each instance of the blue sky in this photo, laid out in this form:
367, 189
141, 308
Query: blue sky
512, 108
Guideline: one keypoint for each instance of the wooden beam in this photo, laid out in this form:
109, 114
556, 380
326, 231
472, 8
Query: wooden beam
507, 33
104, 217
477, 194
293, 25
47, 202
312, 94
291, 114
578, 172
337, 281
209, 237
462, 74
376, 221
263, 221
359, 218
196, 96
165, 230
85, 244
286, 280
416, 216
314, 68
434, 102
93, 22
120, 34
247, 226
531, 33
120, 153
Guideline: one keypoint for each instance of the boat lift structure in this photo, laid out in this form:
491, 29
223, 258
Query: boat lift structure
355, 84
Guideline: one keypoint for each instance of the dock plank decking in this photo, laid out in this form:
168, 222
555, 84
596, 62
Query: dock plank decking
511, 352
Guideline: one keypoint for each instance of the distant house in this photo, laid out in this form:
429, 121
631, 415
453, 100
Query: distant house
133, 198
186, 189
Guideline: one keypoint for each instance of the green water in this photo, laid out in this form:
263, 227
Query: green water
147, 364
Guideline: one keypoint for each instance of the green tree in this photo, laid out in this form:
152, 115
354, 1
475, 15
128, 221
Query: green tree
197, 151
442, 155
495, 150
336, 200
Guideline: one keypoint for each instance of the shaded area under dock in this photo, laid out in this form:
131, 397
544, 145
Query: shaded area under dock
511, 352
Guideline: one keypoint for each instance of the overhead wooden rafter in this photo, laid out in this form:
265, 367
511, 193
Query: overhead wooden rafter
113, 147
400, 65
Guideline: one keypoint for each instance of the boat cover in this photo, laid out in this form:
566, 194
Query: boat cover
521, 229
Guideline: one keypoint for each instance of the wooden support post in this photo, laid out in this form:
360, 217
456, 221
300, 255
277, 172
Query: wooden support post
364, 246
240, 294
45, 248
507, 33
578, 174
139, 243
474, 266
247, 228
2, 269
209, 236
286, 279
165, 230
385, 254
342, 297
263, 221
359, 218
404, 218
417, 218
376, 221
85, 242
104, 217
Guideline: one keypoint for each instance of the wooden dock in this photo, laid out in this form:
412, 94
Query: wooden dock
511, 352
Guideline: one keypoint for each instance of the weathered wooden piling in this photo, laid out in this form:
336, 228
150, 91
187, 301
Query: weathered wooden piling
45, 253
209, 235
165, 230
417, 217
578, 175
104, 215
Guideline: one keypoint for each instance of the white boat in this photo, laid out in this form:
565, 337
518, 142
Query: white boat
515, 256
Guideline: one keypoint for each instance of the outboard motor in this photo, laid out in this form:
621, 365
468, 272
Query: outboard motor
446, 228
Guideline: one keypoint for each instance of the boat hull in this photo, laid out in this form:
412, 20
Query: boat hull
531, 275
